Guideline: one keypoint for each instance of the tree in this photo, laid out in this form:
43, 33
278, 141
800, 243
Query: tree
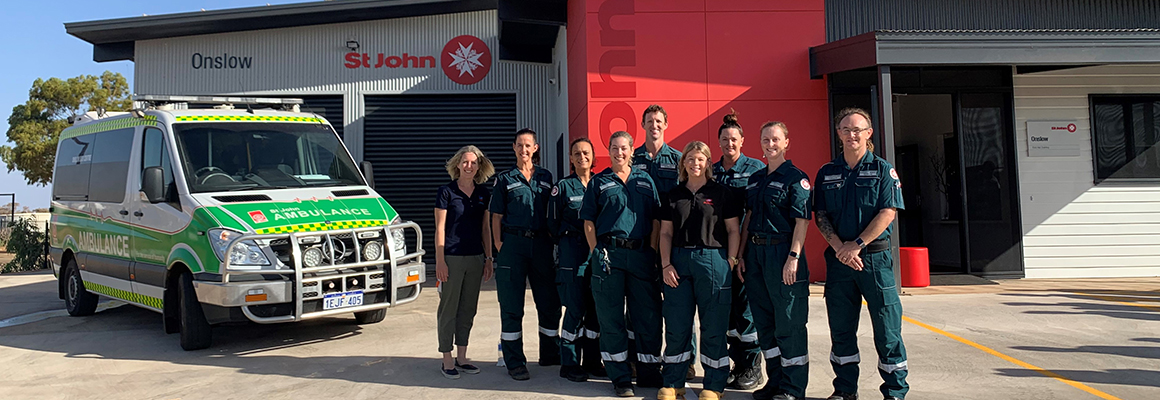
35, 126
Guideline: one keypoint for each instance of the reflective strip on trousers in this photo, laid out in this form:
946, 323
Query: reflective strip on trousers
591, 334
569, 336
749, 337
890, 368
631, 335
679, 358
648, 358
789, 362
733, 333
548, 332
844, 360
618, 357
722, 362
771, 353
510, 336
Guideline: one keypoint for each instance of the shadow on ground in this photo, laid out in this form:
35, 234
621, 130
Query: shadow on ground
1087, 306
1133, 377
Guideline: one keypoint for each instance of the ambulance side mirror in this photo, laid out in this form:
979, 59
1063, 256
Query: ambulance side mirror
368, 173
153, 185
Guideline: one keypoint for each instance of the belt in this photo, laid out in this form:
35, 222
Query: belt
876, 246
766, 240
631, 244
528, 233
571, 234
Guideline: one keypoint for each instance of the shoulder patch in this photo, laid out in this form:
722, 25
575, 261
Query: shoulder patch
805, 184
555, 190
893, 174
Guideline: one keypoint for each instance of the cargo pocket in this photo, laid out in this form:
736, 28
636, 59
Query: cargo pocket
503, 274
866, 190
798, 289
884, 279
565, 275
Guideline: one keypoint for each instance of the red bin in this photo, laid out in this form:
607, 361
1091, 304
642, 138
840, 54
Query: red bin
915, 263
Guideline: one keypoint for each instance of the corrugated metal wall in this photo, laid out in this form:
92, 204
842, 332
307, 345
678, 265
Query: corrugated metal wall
846, 18
310, 61
1071, 226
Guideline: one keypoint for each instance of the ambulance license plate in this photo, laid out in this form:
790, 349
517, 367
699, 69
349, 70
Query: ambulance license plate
341, 300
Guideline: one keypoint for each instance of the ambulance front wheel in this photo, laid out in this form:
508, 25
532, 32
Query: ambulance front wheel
370, 317
196, 333
78, 302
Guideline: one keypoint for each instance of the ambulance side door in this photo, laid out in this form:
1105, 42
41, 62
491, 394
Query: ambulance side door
154, 224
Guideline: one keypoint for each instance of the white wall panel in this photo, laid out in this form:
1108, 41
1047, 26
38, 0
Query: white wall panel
1071, 226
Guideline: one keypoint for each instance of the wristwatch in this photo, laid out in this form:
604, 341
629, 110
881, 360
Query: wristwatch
734, 260
861, 243
793, 254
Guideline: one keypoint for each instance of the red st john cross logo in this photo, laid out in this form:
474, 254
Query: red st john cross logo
466, 59
258, 217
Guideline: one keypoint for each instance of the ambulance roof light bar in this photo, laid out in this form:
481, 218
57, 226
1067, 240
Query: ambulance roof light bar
159, 101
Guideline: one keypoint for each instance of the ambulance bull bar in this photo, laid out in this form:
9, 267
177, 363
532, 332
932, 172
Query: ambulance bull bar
395, 269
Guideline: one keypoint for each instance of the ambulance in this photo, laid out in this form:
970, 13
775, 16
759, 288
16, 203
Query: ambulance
251, 210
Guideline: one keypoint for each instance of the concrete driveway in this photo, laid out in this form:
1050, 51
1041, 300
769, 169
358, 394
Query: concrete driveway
1073, 340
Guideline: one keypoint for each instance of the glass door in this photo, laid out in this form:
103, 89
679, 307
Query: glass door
988, 179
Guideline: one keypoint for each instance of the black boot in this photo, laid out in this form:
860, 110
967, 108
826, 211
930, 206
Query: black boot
746, 378
573, 373
771, 385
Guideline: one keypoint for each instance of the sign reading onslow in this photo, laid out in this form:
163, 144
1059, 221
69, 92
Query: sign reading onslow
1052, 139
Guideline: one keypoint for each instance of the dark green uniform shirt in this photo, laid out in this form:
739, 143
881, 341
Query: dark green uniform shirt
564, 207
662, 169
524, 204
852, 197
738, 176
777, 200
621, 209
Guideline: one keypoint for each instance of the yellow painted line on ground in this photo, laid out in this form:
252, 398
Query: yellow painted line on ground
1014, 360
1113, 299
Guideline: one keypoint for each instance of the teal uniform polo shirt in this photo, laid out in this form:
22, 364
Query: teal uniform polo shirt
777, 200
564, 207
852, 197
621, 209
663, 169
523, 203
738, 176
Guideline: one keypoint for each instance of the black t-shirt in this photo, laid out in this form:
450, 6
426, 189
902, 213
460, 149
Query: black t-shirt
699, 218
463, 228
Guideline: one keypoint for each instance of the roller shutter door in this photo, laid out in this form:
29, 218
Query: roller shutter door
408, 139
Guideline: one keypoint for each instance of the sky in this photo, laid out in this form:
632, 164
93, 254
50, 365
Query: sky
38, 47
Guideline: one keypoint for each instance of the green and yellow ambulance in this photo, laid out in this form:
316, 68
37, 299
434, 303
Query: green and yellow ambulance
219, 215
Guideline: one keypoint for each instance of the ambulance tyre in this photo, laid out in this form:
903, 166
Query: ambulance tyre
370, 317
196, 333
78, 302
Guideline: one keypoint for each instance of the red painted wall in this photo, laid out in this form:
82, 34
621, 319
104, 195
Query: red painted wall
698, 59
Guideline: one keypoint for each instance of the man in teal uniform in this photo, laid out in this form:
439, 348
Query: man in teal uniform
619, 212
857, 197
519, 207
733, 170
655, 157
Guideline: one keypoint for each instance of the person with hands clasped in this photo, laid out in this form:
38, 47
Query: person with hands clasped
699, 242
462, 253
580, 330
620, 228
857, 198
774, 271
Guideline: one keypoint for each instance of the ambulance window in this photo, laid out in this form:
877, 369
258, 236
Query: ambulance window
70, 182
110, 165
155, 153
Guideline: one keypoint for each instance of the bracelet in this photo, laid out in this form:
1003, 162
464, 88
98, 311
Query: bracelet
489, 258
668, 266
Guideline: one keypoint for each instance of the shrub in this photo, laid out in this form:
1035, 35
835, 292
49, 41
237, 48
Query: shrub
27, 243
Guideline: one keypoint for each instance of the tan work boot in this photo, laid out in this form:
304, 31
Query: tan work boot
711, 395
671, 394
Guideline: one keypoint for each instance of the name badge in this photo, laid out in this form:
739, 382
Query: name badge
607, 186
745, 175
576, 198
668, 166
514, 185
777, 185
545, 185
832, 177
643, 184
751, 186
870, 173
640, 167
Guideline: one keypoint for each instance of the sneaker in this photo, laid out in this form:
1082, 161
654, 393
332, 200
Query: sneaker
573, 373
624, 390
842, 396
466, 368
449, 373
520, 373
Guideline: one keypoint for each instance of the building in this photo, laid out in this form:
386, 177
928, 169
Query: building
1025, 134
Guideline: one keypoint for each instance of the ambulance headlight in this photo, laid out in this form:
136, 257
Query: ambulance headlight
245, 253
372, 251
400, 241
312, 257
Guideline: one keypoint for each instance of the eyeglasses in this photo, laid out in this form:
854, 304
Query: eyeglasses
855, 131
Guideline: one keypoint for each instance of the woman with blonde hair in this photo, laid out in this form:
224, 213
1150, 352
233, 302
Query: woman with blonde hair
699, 240
462, 253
